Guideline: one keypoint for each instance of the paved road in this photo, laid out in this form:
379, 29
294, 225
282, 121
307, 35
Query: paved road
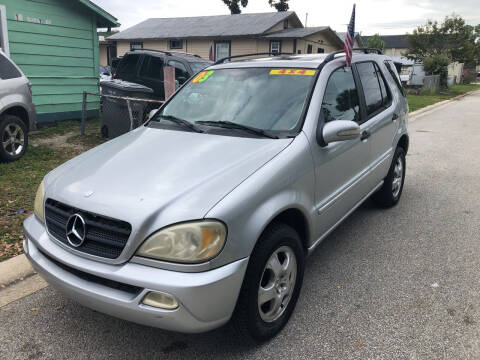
396, 284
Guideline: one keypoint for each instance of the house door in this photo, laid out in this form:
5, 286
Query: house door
3, 30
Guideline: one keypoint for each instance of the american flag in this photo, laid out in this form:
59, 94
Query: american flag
350, 38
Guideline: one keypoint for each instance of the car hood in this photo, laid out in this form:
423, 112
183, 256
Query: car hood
154, 177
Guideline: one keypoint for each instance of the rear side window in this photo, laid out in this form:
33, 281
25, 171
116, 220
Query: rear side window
340, 101
7, 69
386, 95
392, 70
371, 87
128, 65
152, 68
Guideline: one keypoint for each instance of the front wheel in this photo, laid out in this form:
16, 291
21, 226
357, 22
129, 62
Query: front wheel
13, 138
272, 284
391, 190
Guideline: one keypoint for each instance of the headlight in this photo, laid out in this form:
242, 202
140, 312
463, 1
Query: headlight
38, 205
192, 242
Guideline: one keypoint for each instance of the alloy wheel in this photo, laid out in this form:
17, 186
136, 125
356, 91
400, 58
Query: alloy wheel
277, 284
397, 177
13, 139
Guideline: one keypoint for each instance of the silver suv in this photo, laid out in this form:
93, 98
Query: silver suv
17, 112
208, 212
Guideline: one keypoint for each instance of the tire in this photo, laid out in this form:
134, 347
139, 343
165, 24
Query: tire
389, 195
13, 138
261, 322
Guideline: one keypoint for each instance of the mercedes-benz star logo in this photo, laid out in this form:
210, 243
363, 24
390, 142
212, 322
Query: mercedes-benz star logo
76, 230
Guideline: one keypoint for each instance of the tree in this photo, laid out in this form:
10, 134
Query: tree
453, 38
234, 5
376, 42
280, 5
437, 65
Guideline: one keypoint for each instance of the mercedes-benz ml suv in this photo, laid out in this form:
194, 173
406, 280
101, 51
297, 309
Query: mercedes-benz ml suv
207, 212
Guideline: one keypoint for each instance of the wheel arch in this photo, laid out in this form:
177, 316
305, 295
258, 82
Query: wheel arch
20, 112
404, 142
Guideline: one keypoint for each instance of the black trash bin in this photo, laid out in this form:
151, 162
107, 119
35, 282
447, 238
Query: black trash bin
115, 115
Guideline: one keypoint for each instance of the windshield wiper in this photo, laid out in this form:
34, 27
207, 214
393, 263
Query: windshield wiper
184, 123
233, 125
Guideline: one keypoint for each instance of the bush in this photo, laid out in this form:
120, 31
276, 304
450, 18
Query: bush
437, 65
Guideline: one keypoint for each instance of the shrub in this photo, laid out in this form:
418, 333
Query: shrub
437, 65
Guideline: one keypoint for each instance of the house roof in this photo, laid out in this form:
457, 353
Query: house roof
296, 32
206, 26
392, 41
343, 35
104, 19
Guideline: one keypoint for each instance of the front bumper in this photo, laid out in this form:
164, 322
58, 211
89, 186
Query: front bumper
206, 299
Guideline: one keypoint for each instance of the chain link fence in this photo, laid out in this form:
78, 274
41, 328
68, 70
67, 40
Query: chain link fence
119, 114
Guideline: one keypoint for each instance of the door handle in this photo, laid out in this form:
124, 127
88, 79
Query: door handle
365, 135
394, 117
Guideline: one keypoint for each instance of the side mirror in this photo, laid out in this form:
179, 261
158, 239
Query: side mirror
152, 113
338, 130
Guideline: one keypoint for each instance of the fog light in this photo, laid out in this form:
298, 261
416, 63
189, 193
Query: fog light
160, 300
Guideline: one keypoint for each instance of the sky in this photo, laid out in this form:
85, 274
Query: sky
387, 17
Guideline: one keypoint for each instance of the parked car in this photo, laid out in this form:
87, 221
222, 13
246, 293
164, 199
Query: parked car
208, 212
145, 67
17, 111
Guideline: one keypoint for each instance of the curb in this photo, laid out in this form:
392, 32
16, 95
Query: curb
14, 269
413, 115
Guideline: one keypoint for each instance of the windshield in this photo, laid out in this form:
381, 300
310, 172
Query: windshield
199, 66
262, 98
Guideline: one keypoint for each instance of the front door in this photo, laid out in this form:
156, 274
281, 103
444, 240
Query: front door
340, 167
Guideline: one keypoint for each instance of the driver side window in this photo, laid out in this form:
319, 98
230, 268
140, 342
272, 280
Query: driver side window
340, 101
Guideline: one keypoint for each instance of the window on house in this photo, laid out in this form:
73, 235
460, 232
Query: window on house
299, 51
309, 48
371, 86
285, 24
340, 101
176, 44
320, 50
136, 46
222, 49
275, 47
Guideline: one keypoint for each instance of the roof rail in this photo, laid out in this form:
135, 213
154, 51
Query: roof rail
222, 60
331, 56
168, 52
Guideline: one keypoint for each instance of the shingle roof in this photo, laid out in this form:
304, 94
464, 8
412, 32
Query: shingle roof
104, 18
392, 41
296, 32
205, 26
343, 35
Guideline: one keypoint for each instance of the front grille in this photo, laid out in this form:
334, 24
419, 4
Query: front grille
134, 290
104, 237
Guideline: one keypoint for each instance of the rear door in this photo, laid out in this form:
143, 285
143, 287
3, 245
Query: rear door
151, 75
340, 167
379, 107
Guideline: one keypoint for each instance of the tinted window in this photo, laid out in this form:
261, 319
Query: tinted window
340, 101
181, 73
392, 71
128, 65
152, 68
371, 86
7, 69
383, 87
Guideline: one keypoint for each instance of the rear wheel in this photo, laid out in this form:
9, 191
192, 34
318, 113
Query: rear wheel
272, 284
13, 138
391, 191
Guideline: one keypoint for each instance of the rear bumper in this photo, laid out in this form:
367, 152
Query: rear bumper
206, 299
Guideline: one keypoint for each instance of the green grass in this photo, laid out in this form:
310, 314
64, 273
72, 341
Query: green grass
424, 98
19, 180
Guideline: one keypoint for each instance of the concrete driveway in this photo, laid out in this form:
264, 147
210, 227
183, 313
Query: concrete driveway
397, 284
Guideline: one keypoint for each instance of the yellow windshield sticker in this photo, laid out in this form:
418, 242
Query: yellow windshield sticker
202, 76
292, 72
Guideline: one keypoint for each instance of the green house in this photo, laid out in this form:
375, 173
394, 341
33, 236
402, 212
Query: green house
55, 43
